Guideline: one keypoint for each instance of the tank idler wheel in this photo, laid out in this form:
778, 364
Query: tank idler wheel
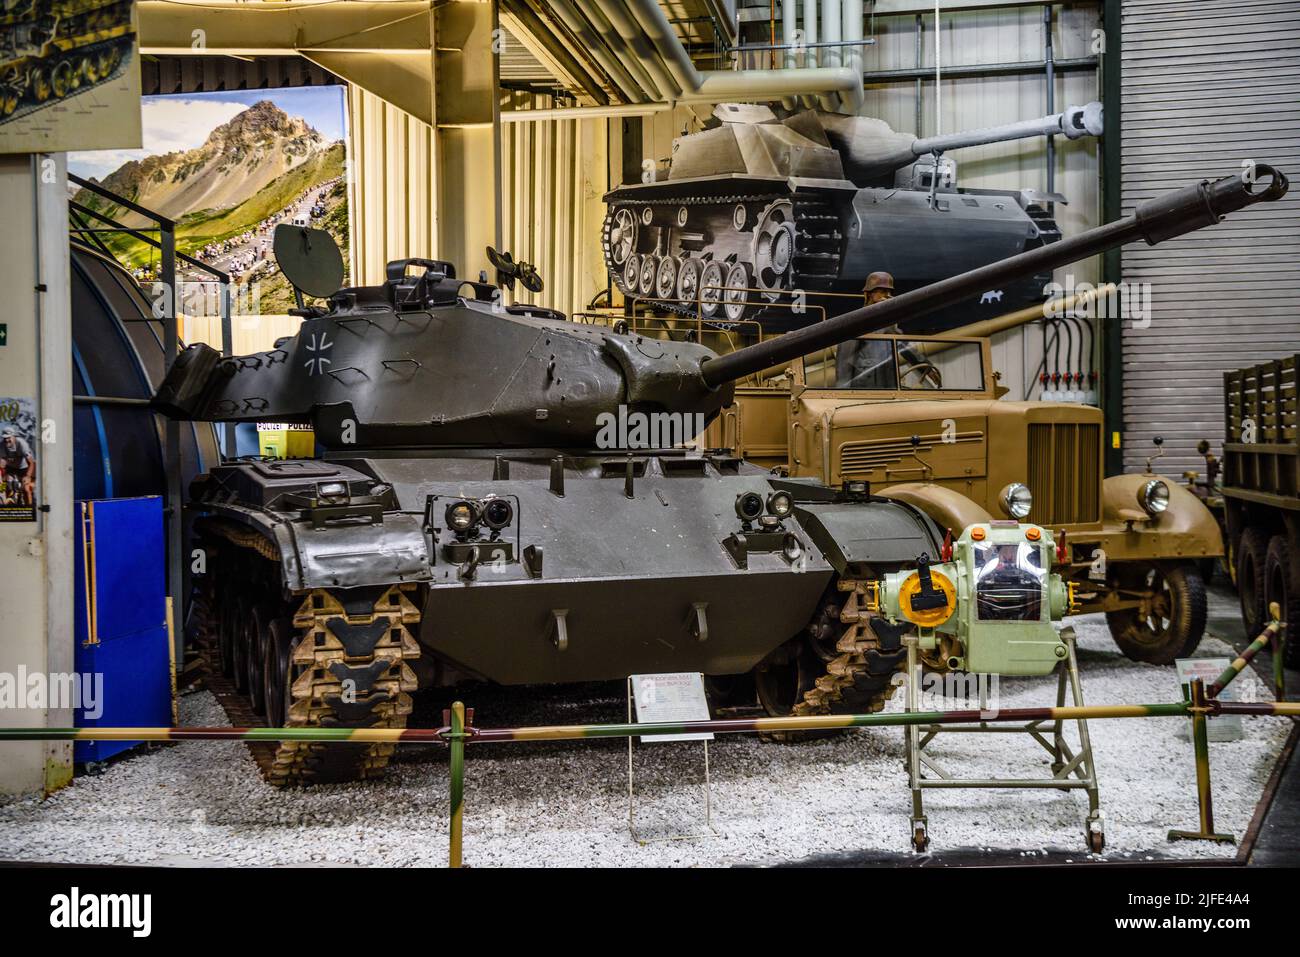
1170, 619
622, 236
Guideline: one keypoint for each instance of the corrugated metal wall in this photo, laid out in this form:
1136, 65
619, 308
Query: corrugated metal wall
553, 174
1206, 86
391, 183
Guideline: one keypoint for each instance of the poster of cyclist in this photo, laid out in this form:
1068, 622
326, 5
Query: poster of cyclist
17, 460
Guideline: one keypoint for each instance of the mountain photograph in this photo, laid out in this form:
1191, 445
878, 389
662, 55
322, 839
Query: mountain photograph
278, 157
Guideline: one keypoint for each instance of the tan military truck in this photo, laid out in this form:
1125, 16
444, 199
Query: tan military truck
924, 420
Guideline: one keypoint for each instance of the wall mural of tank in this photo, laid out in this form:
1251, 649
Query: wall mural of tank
815, 202
53, 49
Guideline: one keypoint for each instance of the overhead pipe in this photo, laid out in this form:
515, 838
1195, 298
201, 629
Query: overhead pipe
716, 86
584, 112
587, 36
620, 15
832, 32
853, 30
614, 42
811, 53
553, 46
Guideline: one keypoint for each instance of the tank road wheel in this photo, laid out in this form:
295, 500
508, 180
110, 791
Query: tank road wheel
688, 279
258, 624
276, 670
62, 79
646, 281
241, 613
1170, 619
1282, 585
737, 293
773, 247
622, 236
348, 669
1252, 553
711, 282
666, 278
630, 274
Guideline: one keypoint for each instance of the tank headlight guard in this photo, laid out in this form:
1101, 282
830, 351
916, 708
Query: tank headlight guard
1016, 500
1154, 497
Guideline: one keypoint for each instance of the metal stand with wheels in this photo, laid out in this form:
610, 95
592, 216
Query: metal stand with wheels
1070, 771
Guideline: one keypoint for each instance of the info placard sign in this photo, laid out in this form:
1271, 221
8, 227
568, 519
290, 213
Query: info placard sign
1224, 727
671, 697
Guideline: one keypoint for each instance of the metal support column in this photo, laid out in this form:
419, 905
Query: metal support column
1111, 392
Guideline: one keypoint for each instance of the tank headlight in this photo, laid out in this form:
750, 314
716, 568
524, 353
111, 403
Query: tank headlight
498, 513
1154, 497
779, 504
1016, 500
461, 516
332, 492
749, 506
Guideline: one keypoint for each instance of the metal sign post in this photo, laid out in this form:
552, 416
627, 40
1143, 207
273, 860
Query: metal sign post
659, 698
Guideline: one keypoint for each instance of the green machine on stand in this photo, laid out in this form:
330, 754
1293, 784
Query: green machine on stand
989, 609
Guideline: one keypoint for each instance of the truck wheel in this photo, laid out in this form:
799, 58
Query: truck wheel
1282, 585
1169, 624
1251, 553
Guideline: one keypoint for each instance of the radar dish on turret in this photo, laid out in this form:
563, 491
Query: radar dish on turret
309, 259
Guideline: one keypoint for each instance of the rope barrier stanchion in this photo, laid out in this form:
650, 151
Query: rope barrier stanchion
456, 736
1201, 709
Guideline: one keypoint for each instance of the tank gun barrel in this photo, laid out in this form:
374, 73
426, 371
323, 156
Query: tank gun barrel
1174, 213
1073, 122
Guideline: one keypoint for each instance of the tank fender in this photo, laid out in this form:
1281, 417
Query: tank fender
1186, 517
947, 507
342, 555
871, 533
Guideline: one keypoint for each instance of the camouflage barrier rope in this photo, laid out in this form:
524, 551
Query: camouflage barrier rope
460, 730
1274, 632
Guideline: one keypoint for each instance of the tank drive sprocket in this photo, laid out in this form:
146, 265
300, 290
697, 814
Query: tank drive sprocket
859, 678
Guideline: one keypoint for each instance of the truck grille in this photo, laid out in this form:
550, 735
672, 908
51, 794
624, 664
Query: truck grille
1063, 461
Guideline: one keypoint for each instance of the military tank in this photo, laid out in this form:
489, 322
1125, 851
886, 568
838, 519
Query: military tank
489, 504
814, 202
51, 49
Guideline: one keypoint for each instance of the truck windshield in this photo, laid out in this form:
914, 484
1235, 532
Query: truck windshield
900, 364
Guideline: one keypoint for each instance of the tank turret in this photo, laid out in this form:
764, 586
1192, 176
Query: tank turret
434, 361
814, 202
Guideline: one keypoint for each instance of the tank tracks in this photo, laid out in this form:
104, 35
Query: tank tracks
815, 261
348, 664
859, 680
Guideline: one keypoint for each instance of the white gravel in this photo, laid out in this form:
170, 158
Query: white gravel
565, 804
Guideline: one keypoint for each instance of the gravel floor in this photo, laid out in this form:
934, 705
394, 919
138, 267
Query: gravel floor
565, 804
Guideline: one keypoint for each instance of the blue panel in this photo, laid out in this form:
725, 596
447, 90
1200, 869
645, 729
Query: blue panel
130, 667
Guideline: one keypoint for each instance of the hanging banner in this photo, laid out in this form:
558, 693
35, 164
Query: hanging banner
69, 76
18, 464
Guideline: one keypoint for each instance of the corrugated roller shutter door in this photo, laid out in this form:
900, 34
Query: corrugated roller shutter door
1207, 85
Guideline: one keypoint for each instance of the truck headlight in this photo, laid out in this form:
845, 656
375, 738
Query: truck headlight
1154, 497
1016, 500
